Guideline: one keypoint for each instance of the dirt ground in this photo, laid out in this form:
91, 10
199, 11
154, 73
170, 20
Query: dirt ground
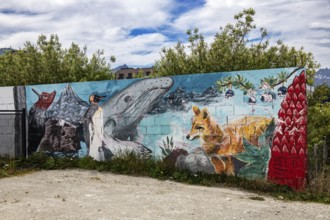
80, 194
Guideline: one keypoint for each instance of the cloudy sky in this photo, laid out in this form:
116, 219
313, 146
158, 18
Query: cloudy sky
134, 31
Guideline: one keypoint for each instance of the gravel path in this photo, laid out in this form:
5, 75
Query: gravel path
81, 194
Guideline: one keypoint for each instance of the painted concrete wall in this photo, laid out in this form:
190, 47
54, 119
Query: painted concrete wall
249, 123
7, 129
11, 99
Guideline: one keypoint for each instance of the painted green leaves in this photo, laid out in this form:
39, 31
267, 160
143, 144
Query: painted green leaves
256, 157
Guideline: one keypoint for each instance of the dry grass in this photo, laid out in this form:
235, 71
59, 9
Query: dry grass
321, 183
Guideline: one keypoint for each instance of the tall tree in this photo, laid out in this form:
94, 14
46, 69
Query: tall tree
320, 95
232, 50
318, 124
48, 62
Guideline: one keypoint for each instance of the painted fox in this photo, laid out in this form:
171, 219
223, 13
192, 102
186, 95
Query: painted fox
219, 143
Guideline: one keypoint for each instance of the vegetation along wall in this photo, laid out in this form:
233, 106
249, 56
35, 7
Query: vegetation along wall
250, 123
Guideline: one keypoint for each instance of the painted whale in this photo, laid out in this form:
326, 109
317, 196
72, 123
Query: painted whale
123, 111
113, 124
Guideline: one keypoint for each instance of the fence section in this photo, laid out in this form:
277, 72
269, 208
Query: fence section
13, 133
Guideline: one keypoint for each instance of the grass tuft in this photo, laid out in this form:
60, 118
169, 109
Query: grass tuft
258, 198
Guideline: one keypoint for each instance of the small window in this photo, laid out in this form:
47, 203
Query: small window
130, 76
121, 76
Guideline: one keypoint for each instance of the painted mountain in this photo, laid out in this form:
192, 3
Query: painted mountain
61, 122
178, 99
69, 107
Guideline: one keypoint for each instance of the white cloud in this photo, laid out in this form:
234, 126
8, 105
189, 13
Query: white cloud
36, 6
98, 24
298, 22
106, 24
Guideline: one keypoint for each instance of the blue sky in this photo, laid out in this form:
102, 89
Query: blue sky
135, 31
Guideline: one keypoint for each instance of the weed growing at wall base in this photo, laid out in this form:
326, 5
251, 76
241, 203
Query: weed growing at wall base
131, 164
8, 167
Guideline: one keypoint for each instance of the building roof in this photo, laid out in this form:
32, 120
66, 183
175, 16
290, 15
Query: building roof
119, 68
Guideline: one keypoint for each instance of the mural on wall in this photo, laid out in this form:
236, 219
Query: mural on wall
249, 123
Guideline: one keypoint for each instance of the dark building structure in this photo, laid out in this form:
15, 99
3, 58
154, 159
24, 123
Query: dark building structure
125, 72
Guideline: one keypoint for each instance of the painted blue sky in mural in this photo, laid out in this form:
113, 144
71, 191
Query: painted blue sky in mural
109, 88
135, 31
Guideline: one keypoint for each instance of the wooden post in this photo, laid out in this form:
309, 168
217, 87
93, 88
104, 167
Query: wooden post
23, 115
315, 158
325, 151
